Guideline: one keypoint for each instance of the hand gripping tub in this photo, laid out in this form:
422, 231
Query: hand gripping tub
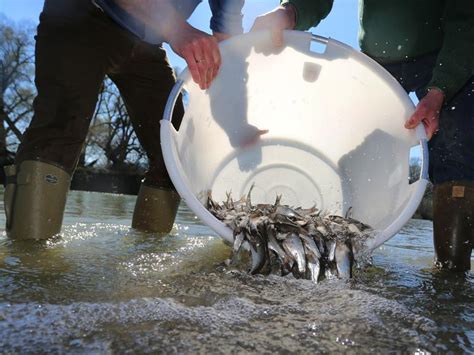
335, 133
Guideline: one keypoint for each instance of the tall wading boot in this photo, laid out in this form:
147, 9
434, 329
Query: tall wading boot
453, 225
35, 200
155, 209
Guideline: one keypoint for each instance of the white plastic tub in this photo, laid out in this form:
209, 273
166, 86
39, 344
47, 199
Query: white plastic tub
336, 137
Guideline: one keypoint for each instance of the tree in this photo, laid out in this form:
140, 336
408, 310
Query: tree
112, 134
17, 89
414, 169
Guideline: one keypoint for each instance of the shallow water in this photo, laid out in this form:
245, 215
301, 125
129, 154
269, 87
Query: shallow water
105, 288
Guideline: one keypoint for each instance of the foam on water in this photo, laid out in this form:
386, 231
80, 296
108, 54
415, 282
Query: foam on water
294, 318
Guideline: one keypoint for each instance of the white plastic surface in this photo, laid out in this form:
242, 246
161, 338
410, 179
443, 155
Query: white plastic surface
336, 137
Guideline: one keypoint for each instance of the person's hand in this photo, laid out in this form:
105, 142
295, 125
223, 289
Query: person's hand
427, 111
199, 50
219, 36
277, 20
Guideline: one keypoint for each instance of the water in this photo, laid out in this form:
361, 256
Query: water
104, 288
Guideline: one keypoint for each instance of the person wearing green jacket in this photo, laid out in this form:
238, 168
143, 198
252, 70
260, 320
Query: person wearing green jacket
428, 46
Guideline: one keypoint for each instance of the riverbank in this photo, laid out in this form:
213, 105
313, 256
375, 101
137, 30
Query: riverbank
425, 209
104, 180
128, 183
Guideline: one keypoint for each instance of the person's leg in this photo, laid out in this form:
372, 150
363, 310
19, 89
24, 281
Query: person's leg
145, 82
451, 167
452, 173
414, 73
70, 67
71, 62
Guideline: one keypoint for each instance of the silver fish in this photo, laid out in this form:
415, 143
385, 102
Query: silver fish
287, 212
302, 241
310, 246
257, 251
343, 257
332, 250
353, 229
275, 246
314, 268
293, 246
238, 241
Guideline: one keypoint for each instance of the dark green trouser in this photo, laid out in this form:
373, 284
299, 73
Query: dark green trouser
75, 50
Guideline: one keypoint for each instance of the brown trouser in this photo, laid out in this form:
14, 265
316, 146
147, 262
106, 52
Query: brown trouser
75, 50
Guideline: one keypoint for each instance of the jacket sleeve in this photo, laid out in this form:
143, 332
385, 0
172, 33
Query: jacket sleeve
226, 16
309, 12
455, 63
121, 17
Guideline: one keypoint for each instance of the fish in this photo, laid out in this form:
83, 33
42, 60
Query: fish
276, 248
310, 246
343, 258
306, 242
294, 247
313, 257
238, 241
313, 267
332, 250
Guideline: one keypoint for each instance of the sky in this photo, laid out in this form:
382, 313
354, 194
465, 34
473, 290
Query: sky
341, 24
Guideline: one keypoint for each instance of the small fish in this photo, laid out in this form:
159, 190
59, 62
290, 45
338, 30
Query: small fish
318, 239
258, 260
330, 273
314, 268
332, 250
229, 202
287, 212
248, 202
323, 230
293, 246
348, 213
310, 246
353, 229
343, 257
238, 241
293, 240
307, 212
259, 251
275, 246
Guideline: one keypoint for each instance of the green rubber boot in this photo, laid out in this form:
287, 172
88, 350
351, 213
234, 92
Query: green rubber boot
453, 225
34, 204
155, 209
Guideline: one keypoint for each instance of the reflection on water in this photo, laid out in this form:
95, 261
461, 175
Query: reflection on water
106, 288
